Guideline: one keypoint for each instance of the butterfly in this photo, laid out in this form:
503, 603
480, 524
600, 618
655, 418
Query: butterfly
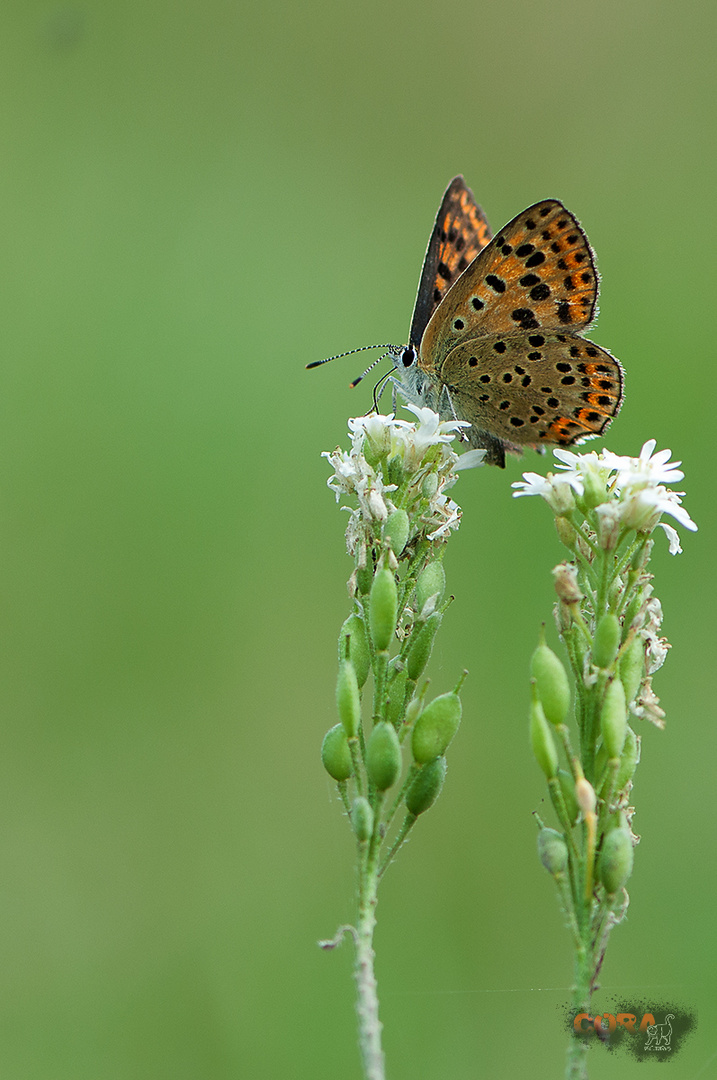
495, 336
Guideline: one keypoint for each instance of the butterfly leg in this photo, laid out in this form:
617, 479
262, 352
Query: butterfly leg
447, 394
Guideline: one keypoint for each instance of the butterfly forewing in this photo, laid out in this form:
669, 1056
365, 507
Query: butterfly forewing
537, 273
461, 231
534, 388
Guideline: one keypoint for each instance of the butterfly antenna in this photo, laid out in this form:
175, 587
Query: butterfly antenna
362, 348
369, 368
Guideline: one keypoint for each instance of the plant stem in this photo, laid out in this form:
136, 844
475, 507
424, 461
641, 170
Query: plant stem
576, 1068
367, 1003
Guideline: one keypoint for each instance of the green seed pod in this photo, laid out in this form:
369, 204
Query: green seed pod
606, 640
552, 683
431, 580
616, 859
632, 667
362, 819
613, 718
542, 741
632, 610
601, 760
383, 609
413, 711
396, 529
348, 699
435, 728
552, 851
335, 753
364, 579
429, 485
383, 756
567, 786
355, 630
396, 695
641, 557
396, 471
426, 787
422, 645
629, 760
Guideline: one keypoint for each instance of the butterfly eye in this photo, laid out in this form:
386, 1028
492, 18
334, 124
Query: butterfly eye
408, 356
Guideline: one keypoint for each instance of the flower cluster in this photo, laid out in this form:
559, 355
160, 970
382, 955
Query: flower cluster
626, 493
399, 467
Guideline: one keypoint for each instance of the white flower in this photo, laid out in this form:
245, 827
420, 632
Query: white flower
673, 537
556, 490
471, 459
430, 431
647, 705
431, 428
451, 513
644, 506
648, 469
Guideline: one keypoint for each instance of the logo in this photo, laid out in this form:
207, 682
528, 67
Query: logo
659, 1036
643, 1030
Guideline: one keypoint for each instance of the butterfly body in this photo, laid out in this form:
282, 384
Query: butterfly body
495, 336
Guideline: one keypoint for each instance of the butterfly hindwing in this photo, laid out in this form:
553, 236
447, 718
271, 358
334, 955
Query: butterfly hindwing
534, 389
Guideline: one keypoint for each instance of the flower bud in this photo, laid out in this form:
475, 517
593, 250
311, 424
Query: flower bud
396, 694
347, 698
335, 753
383, 609
376, 442
426, 787
632, 667
435, 728
355, 630
585, 796
552, 851
362, 819
566, 533
431, 581
616, 859
396, 530
613, 718
566, 583
429, 485
594, 489
551, 682
629, 760
542, 740
422, 644
383, 756
606, 640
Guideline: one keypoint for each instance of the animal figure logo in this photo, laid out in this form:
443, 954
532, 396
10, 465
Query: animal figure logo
659, 1035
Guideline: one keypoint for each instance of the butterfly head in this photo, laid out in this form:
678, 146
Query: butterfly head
410, 379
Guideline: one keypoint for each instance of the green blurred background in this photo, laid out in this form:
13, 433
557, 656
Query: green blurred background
196, 200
